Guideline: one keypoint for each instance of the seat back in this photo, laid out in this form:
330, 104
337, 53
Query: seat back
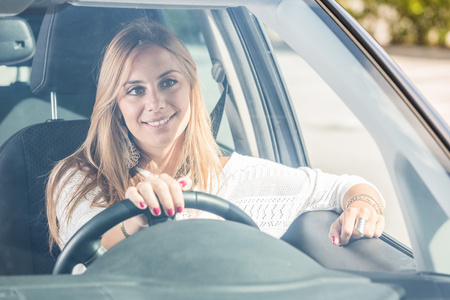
69, 46
26, 159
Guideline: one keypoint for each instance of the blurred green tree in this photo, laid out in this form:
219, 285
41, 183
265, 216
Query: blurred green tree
409, 21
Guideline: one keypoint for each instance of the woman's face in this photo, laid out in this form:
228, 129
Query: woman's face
154, 101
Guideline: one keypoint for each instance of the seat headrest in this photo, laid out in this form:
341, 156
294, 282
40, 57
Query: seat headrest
70, 45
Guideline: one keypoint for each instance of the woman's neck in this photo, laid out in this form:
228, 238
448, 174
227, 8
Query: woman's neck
166, 165
163, 160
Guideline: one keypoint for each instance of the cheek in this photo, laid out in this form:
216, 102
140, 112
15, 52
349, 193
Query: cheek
129, 112
187, 109
184, 102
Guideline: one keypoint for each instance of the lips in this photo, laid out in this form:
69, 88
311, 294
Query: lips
159, 122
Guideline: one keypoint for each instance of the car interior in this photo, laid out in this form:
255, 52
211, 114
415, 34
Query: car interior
48, 120
67, 48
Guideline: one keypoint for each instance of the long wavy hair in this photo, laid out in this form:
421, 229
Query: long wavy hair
101, 156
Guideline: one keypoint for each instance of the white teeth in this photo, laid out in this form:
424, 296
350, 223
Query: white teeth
157, 123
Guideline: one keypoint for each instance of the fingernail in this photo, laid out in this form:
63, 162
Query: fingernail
170, 212
156, 211
179, 209
183, 183
334, 240
142, 204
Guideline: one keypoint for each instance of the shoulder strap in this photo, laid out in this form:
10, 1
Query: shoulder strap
217, 113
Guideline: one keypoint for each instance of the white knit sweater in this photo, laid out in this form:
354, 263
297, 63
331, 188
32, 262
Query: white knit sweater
273, 195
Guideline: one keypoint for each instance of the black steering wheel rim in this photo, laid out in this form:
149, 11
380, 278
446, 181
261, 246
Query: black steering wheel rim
84, 247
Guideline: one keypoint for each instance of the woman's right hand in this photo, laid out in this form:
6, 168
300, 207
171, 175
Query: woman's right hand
159, 193
154, 193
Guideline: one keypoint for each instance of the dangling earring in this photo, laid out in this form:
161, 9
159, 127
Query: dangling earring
133, 156
133, 153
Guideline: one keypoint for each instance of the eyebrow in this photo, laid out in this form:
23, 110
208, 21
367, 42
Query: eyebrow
167, 73
159, 77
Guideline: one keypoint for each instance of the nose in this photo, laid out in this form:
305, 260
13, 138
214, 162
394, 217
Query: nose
154, 101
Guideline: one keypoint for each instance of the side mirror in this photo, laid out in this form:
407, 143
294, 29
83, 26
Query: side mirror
17, 42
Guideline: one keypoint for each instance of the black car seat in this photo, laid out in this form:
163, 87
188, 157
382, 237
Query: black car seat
69, 45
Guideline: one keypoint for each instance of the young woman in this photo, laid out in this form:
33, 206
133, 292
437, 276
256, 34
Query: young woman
150, 139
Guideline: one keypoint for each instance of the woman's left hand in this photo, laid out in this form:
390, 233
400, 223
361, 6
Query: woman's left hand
345, 227
359, 218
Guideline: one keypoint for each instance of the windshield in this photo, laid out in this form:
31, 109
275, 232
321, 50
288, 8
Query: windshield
299, 89
335, 67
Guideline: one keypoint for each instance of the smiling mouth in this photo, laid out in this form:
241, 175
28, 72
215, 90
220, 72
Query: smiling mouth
160, 122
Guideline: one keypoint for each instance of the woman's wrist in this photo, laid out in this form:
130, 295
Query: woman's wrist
133, 225
366, 198
364, 195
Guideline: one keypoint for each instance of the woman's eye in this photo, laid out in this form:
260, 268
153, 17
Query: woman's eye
169, 83
136, 91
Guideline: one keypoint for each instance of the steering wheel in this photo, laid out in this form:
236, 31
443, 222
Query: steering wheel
85, 247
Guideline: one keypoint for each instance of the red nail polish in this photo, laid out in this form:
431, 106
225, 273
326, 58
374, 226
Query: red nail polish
334, 239
183, 183
156, 211
142, 204
179, 209
170, 212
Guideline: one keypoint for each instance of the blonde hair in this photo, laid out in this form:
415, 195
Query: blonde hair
101, 156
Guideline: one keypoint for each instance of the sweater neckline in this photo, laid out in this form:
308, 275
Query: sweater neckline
225, 168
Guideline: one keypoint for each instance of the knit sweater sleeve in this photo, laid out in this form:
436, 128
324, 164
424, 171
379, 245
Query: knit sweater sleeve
83, 211
274, 195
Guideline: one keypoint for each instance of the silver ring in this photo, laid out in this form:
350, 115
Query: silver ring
361, 225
